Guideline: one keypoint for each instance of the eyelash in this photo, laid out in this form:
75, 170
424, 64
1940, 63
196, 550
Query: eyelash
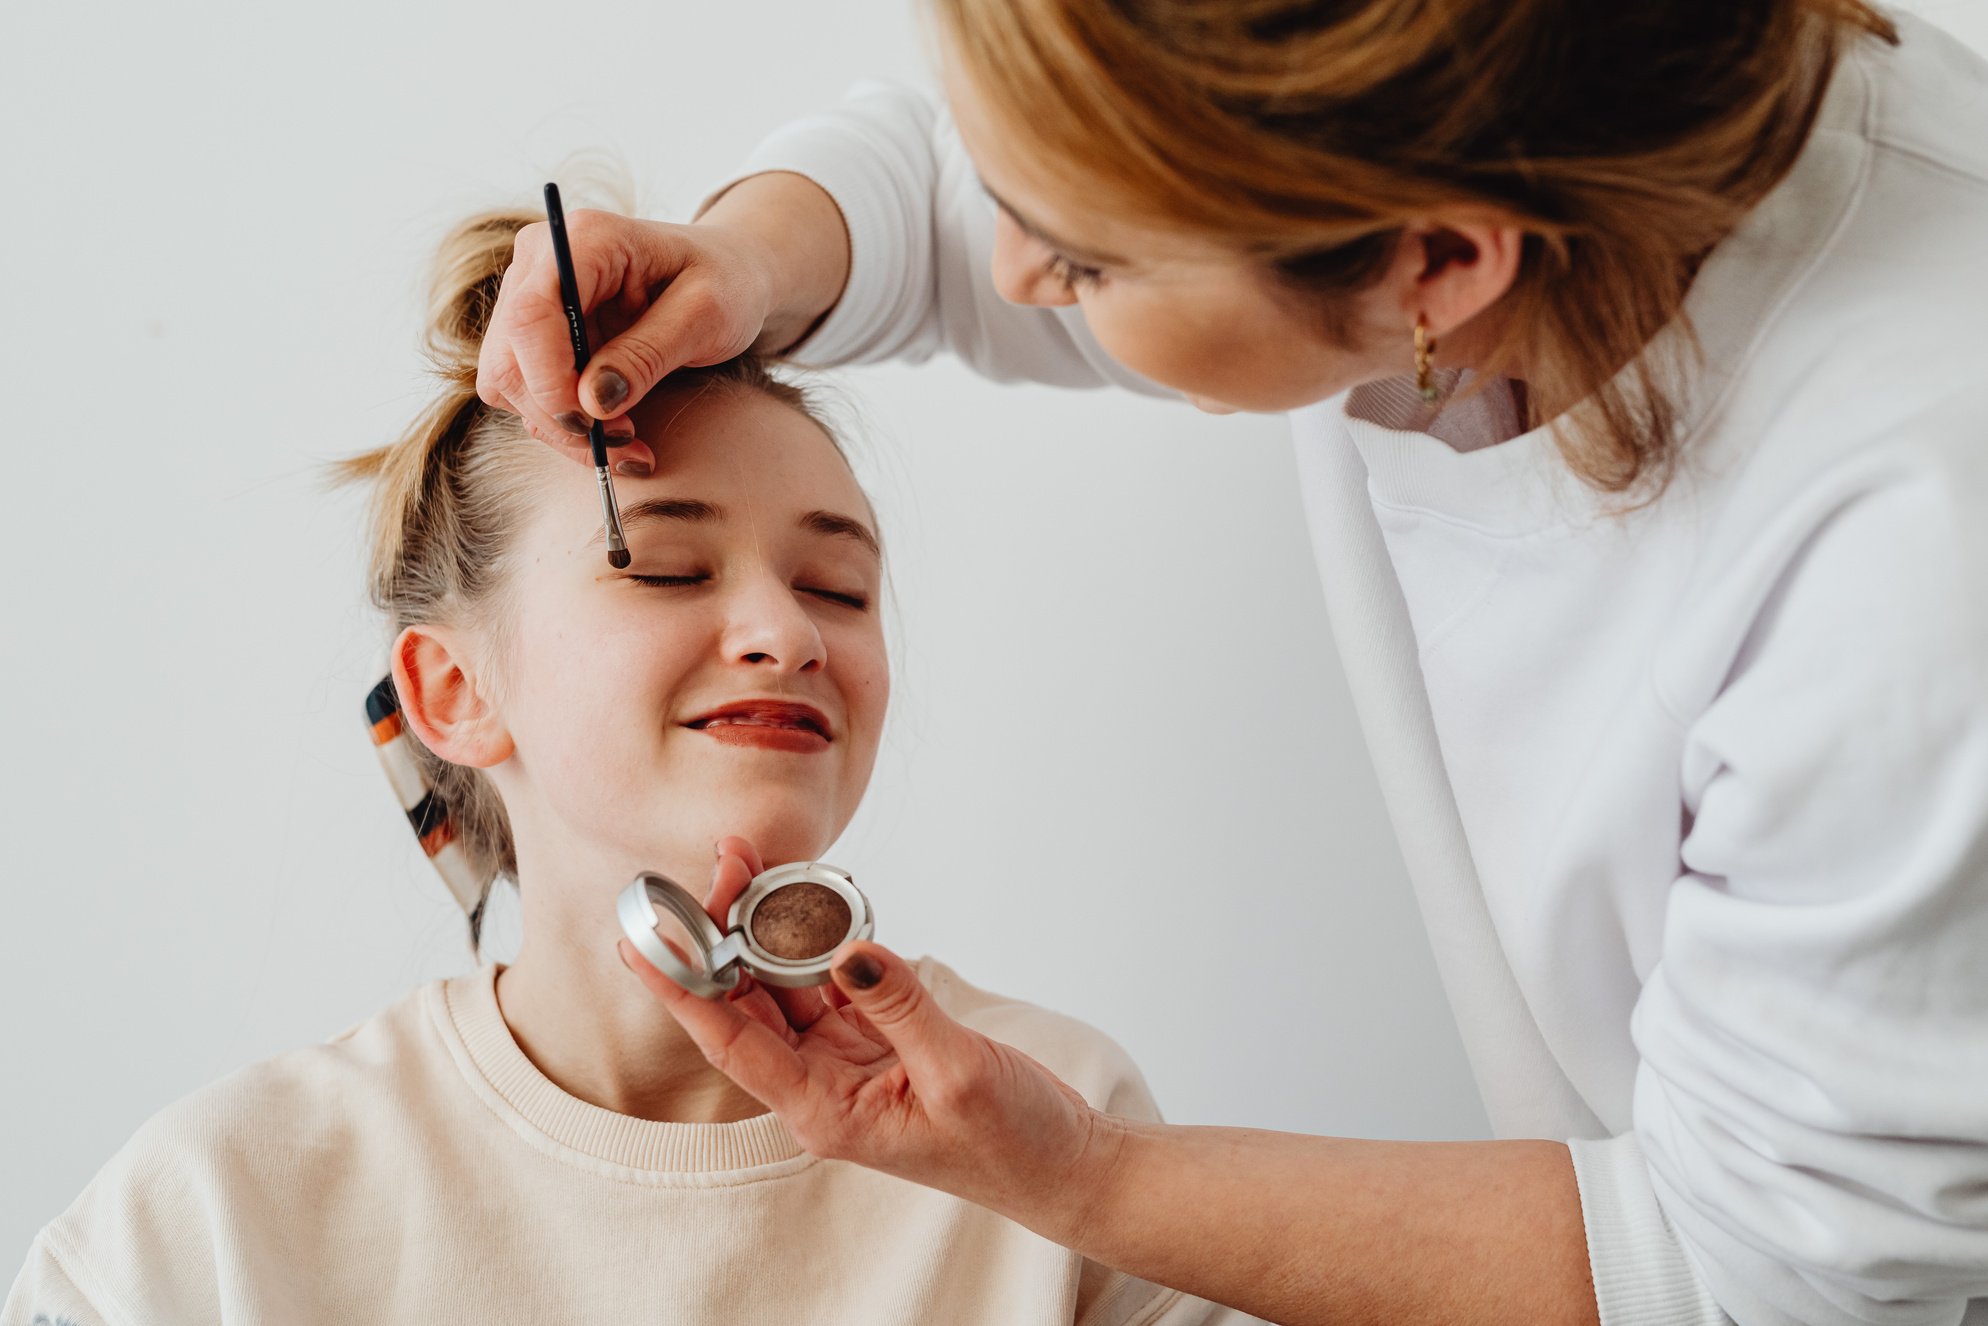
856, 601
1073, 275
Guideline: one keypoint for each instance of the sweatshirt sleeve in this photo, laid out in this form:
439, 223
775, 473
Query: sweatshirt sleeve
1810, 1116
921, 232
47, 1293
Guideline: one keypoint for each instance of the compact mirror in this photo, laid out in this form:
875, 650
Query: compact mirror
783, 929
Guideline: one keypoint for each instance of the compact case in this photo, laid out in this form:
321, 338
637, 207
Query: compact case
798, 910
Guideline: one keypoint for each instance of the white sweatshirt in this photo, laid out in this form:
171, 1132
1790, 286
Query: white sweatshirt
1695, 800
419, 1168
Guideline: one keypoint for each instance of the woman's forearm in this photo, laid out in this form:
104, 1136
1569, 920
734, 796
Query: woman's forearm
1294, 1229
806, 242
1299, 1229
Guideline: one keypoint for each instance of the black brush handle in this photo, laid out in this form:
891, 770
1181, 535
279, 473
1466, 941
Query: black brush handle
569, 294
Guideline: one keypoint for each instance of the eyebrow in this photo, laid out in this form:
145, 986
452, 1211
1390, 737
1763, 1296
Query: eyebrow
670, 508
844, 527
692, 511
1036, 232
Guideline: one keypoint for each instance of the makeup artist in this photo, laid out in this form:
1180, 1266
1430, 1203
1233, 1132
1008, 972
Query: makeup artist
1632, 355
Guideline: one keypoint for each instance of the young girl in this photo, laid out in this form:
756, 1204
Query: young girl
538, 1140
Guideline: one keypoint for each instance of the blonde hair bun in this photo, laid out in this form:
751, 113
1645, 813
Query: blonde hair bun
469, 269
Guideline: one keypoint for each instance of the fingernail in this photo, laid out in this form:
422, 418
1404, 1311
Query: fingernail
611, 388
632, 469
862, 971
620, 439
573, 423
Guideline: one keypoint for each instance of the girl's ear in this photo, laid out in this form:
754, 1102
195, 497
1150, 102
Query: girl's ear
441, 701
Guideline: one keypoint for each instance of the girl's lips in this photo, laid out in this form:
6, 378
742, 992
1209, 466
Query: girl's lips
799, 740
767, 724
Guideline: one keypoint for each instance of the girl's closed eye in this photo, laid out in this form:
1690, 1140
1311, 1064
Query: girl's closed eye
696, 578
849, 598
856, 599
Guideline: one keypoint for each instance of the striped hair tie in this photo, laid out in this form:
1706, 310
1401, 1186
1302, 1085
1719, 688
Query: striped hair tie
427, 813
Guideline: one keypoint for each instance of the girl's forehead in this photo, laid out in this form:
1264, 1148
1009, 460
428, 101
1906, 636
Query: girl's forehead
726, 459
739, 434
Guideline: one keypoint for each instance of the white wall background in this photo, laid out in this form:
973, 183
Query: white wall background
1122, 777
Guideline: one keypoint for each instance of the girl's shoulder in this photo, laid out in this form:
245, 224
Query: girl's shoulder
1086, 1058
320, 1092
304, 1105
237, 1158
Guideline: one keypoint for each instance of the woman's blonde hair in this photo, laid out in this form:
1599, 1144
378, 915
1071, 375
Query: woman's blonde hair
1626, 137
450, 495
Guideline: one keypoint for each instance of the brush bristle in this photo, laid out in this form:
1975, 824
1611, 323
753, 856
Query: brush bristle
618, 558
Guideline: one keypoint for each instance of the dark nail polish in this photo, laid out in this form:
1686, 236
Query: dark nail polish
573, 422
862, 971
619, 439
611, 388
632, 469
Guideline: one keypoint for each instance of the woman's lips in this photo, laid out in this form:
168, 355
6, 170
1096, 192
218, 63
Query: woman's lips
767, 724
737, 732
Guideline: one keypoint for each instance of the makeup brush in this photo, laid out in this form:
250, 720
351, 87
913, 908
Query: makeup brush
569, 293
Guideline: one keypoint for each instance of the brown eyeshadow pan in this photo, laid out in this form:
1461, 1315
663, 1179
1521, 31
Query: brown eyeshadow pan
800, 921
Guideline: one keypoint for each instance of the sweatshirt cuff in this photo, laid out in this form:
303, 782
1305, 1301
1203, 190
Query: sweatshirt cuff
1641, 1272
834, 156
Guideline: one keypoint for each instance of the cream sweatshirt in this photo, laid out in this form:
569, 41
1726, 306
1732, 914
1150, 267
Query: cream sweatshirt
419, 1168
1694, 800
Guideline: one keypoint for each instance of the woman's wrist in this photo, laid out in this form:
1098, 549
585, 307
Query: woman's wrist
1086, 1193
802, 247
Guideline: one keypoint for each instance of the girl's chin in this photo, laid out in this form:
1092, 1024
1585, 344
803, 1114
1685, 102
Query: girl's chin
661, 829
777, 838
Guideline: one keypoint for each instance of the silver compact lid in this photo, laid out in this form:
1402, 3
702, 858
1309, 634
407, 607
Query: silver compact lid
696, 956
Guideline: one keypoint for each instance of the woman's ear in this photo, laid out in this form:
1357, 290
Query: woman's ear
441, 700
1459, 267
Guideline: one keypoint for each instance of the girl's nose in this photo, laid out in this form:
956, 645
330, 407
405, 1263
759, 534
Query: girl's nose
769, 627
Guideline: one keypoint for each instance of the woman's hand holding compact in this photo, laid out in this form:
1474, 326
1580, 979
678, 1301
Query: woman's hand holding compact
871, 1070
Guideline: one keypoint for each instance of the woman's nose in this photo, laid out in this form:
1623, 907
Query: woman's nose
1019, 272
768, 627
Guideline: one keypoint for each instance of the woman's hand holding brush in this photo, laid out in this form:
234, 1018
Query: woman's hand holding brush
757, 271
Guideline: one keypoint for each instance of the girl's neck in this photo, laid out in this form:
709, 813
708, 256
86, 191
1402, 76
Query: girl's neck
586, 1022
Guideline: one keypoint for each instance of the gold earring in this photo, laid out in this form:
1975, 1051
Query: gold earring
1425, 348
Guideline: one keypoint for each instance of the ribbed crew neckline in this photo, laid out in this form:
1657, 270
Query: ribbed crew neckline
1522, 485
466, 1012
1508, 487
